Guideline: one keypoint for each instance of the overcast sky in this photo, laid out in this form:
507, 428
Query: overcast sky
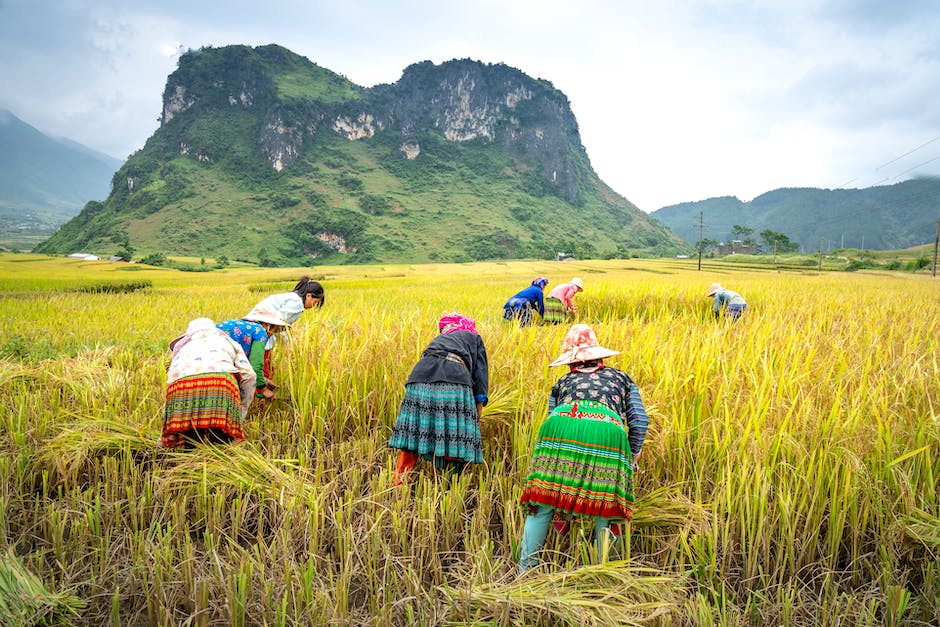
676, 100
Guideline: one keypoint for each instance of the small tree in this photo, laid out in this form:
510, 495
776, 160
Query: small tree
782, 243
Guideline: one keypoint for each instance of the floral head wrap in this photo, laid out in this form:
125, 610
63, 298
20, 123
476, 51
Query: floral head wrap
199, 325
455, 322
540, 282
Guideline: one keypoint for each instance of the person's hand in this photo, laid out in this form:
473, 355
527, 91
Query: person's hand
268, 394
270, 384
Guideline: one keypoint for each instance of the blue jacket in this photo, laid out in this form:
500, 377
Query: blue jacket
532, 295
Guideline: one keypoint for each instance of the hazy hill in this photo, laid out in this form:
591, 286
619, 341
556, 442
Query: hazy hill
886, 217
45, 181
262, 155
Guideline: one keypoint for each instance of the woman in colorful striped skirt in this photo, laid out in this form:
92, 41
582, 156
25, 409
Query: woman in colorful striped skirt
582, 464
439, 417
210, 385
559, 304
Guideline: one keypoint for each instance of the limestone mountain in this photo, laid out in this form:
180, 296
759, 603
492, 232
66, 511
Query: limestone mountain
266, 157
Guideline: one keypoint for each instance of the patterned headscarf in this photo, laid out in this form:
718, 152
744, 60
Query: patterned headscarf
455, 322
540, 282
199, 325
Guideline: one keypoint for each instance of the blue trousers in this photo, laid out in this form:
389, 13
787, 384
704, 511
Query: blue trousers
536, 528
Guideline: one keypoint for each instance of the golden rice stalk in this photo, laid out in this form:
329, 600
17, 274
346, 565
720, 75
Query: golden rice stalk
90, 438
24, 600
667, 507
603, 594
242, 469
922, 527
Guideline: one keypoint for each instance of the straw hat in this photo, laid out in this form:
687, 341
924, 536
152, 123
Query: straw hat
580, 344
577, 281
714, 289
266, 314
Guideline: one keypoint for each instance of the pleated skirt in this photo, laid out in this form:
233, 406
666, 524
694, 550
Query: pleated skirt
581, 464
438, 421
202, 402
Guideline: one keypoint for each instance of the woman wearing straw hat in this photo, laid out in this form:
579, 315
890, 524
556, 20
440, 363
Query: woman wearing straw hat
305, 295
439, 418
582, 463
559, 304
210, 385
520, 305
734, 305
252, 332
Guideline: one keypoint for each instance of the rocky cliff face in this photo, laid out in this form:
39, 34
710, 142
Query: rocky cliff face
464, 100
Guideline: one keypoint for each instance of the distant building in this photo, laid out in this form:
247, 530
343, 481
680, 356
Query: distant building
85, 256
563, 257
736, 248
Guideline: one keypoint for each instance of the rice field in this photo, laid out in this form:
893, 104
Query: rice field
790, 476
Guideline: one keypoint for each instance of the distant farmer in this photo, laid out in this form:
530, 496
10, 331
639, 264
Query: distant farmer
210, 386
290, 305
559, 304
439, 418
252, 333
732, 302
519, 307
582, 463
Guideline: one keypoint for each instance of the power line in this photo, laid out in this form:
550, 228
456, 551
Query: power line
916, 166
907, 153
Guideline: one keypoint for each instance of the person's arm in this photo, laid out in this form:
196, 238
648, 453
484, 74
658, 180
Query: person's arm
257, 364
541, 303
480, 375
716, 306
246, 377
637, 420
569, 299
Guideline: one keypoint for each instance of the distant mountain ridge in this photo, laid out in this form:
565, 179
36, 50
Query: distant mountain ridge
879, 218
264, 156
44, 181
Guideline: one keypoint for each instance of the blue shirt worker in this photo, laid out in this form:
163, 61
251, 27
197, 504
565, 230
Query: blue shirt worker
732, 302
520, 306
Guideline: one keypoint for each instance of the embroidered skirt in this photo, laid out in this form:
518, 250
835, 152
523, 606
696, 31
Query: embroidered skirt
581, 464
555, 311
520, 310
202, 402
438, 421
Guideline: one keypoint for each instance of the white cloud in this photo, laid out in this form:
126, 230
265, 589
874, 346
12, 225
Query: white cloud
676, 100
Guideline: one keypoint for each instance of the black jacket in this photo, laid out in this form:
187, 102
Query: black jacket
435, 366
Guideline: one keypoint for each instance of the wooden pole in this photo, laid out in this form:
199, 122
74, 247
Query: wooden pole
936, 242
701, 228
821, 240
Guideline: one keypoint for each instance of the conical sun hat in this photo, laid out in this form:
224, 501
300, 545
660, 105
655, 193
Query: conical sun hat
580, 344
266, 314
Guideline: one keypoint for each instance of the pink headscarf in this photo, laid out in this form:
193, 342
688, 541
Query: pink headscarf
455, 322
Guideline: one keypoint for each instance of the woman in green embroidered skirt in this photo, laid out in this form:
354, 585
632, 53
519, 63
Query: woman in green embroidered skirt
582, 464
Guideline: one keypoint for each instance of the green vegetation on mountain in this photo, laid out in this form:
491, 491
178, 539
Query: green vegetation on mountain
881, 218
264, 157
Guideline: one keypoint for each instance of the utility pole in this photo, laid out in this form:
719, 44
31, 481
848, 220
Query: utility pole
775, 252
936, 242
701, 228
821, 240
